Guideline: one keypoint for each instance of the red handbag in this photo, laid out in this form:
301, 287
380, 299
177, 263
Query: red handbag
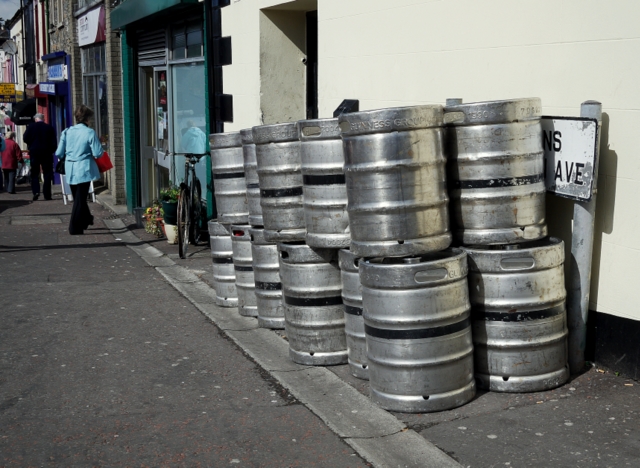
104, 162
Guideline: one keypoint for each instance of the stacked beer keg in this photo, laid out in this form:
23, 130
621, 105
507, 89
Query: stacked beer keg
414, 286
301, 223
516, 276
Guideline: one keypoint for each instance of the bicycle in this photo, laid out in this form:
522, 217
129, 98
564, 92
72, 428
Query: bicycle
190, 216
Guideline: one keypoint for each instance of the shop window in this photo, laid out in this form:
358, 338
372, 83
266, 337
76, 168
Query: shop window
187, 40
94, 58
189, 107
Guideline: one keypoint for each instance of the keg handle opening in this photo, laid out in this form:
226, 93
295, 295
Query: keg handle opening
238, 233
284, 254
312, 131
427, 276
517, 263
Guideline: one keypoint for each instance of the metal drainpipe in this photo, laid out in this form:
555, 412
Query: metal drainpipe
579, 280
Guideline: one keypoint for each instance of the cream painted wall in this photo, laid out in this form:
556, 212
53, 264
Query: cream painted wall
409, 52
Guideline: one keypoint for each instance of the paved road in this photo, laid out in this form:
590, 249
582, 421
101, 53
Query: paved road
102, 363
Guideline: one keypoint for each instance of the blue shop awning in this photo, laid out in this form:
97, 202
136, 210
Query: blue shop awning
130, 11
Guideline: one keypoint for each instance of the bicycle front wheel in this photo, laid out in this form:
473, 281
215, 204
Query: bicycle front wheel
184, 223
196, 207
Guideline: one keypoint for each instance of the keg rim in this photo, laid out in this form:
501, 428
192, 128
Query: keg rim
225, 140
493, 112
217, 228
246, 136
275, 133
543, 242
391, 119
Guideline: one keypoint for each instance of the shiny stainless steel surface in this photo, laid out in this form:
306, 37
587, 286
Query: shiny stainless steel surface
224, 276
243, 266
418, 331
324, 186
354, 322
229, 187
396, 185
266, 269
313, 311
496, 171
280, 178
251, 177
519, 316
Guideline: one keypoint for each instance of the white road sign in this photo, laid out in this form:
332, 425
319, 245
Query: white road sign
569, 145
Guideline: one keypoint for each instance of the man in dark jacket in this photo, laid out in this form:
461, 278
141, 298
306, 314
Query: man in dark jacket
42, 141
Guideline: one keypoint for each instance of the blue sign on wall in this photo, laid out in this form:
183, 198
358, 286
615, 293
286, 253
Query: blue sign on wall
55, 71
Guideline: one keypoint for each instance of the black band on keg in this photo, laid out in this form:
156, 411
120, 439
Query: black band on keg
229, 175
419, 333
525, 316
352, 310
335, 179
506, 182
268, 286
223, 260
312, 301
285, 192
253, 186
242, 268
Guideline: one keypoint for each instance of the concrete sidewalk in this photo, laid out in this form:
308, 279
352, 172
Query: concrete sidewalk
591, 421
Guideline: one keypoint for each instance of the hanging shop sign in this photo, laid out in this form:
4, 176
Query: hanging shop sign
7, 92
570, 147
91, 27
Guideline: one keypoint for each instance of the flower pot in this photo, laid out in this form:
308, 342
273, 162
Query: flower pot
171, 232
170, 210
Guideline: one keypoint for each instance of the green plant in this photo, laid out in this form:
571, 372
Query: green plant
153, 216
170, 194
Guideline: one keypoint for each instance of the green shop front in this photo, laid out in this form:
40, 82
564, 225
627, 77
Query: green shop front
166, 95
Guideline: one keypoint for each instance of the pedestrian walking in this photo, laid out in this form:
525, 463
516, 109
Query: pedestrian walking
11, 156
41, 140
80, 147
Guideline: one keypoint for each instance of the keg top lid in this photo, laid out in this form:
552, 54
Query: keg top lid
393, 119
246, 135
319, 129
540, 254
441, 267
491, 112
224, 140
275, 133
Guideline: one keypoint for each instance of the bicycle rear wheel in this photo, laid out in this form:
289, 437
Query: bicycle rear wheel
184, 222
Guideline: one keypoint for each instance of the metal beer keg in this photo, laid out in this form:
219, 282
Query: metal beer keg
313, 311
324, 186
496, 171
396, 186
224, 276
518, 316
243, 266
418, 331
229, 187
280, 176
354, 323
266, 269
251, 177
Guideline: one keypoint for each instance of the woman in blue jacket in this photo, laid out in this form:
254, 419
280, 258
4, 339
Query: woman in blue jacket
80, 146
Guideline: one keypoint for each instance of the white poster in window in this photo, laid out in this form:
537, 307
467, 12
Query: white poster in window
91, 27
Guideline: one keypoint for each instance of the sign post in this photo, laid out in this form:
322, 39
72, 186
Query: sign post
571, 149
